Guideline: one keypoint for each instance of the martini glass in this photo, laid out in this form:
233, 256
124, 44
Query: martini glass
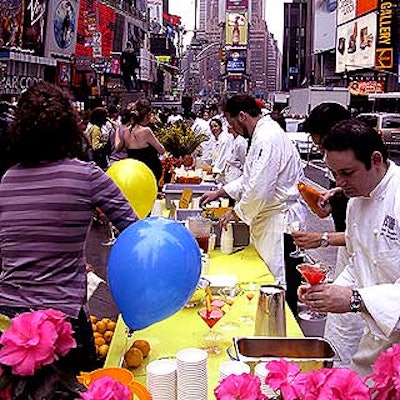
250, 290
211, 317
312, 274
230, 294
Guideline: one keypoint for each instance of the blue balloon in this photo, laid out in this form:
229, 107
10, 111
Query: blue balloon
153, 269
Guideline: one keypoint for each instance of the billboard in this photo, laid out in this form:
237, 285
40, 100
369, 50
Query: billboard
385, 44
363, 88
346, 10
62, 27
355, 43
34, 25
155, 15
237, 4
236, 65
11, 21
236, 28
324, 26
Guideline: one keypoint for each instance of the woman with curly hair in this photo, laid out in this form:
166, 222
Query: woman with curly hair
47, 198
139, 140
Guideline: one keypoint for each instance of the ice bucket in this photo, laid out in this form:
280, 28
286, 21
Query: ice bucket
310, 353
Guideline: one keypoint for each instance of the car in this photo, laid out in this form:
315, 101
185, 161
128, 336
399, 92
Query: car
387, 125
302, 140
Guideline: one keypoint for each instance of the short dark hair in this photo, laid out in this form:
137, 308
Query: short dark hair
217, 121
242, 102
98, 116
323, 117
354, 135
46, 126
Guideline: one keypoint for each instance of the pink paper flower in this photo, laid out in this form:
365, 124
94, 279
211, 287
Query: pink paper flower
239, 387
33, 340
107, 389
286, 377
386, 375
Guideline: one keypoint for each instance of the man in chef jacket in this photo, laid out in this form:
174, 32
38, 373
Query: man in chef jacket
370, 283
266, 193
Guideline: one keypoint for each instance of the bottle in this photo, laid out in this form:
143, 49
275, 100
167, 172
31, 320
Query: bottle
227, 239
236, 32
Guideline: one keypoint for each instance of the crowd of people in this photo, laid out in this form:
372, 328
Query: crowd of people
50, 186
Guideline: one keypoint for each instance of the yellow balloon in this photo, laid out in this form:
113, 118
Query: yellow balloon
137, 183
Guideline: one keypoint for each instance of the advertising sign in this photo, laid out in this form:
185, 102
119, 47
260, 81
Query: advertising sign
346, 11
11, 20
366, 6
237, 4
356, 43
62, 26
155, 15
364, 88
324, 26
386, 35
34, 26
236, 65
236, 28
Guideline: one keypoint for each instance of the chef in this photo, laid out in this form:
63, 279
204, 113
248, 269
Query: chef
266, 194
370, 284
235, 164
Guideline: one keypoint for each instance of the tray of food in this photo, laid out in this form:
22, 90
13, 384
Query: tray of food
309, 352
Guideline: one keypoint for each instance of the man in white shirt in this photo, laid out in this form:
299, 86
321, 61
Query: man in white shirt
266, 194
370, 284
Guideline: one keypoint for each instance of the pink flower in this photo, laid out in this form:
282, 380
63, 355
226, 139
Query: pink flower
33, 341
239, 387
65, 341
107, 389
386, 375
286, 377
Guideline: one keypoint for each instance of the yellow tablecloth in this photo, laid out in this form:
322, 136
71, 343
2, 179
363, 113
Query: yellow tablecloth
186, 329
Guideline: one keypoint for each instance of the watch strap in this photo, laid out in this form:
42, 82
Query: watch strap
355, 301
324, 241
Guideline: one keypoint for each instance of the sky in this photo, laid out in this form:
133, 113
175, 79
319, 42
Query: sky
274, 15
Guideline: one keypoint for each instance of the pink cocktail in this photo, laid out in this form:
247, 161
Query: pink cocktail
313, 274
211, 317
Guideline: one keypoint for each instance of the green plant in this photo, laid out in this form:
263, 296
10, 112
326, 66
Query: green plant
179, 139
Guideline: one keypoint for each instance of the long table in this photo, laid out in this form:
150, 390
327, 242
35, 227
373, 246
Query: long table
186, 329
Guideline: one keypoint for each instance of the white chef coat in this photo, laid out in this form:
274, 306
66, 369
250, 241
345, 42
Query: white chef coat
267, 192
203, 126
373, 240
235, 165
222, 152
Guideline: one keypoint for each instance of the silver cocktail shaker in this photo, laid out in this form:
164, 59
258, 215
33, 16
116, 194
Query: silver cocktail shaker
270, 317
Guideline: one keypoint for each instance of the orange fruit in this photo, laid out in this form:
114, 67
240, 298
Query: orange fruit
143, 346
93, 319
133, 357
111, 326
101, 326
108, 336
103, 350
97, 334
94, 327
99, 341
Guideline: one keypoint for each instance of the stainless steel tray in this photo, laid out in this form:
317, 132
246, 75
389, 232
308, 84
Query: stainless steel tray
309, 352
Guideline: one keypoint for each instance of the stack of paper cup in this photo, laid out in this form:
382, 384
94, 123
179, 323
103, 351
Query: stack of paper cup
157, 209
192, 374
233, 368
261, 371
161, 379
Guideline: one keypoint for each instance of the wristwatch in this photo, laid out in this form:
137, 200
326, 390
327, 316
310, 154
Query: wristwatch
324, 242
355, 301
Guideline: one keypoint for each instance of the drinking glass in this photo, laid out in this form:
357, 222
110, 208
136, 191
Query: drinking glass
230, 294
312, 274
112, 232
201, 229
250, 290
211, 317
298, 253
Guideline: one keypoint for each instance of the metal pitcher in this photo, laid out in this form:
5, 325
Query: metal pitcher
270, 317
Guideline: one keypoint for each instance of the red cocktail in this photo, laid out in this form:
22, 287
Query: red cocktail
313, 274
212, 316
203, 242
